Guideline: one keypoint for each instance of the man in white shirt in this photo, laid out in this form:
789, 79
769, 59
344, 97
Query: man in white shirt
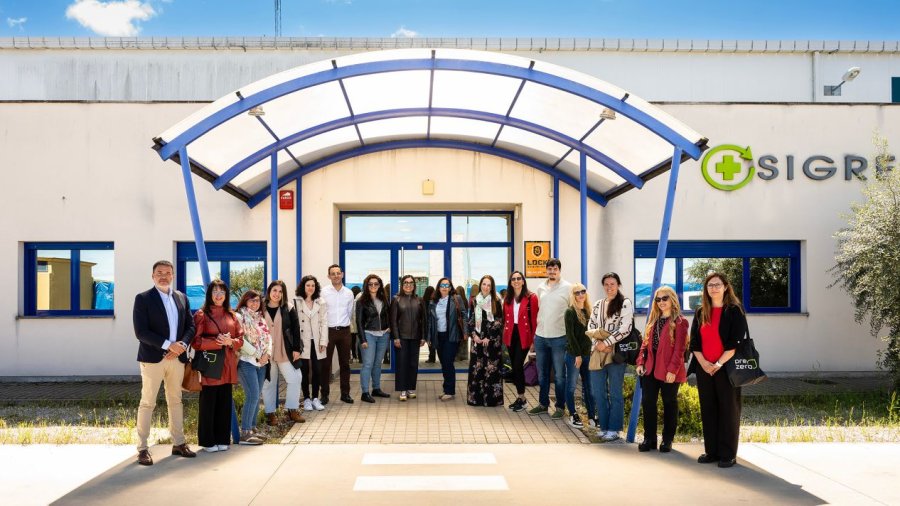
550, 339
339, 301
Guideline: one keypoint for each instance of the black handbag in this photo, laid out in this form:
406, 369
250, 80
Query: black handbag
743, 368
626, 350
210, 363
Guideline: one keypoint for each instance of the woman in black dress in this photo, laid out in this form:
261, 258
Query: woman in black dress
486, 328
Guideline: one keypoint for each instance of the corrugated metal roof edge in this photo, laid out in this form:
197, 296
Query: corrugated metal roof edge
483, 43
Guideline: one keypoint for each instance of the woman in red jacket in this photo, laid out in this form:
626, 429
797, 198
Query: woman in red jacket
217, 330
520, 309
660, 365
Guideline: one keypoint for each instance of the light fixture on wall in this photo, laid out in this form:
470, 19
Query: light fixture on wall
608, 114
835, 91
256, 111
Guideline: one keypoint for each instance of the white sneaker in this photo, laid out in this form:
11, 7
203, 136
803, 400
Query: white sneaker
610, 436
307, 405
223, 448
591, 422
211, 449
412, 394
317, 404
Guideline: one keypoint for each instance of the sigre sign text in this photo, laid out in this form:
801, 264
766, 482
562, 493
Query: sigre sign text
730, 167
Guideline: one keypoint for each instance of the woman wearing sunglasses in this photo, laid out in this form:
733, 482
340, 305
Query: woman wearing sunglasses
408, 321
374, 327
578, 352
660, 366
520, 309
217, 330
444, 328
718, 325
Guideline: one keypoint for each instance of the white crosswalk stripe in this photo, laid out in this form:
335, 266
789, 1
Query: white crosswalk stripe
435, 483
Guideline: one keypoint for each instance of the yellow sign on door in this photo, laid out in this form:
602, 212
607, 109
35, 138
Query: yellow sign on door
537, 253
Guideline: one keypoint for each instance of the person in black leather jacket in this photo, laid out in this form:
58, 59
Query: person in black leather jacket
407, 317
374, 329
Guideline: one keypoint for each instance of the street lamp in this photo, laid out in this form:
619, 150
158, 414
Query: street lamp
835, 91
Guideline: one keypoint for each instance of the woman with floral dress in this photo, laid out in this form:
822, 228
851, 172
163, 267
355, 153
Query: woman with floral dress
486, 328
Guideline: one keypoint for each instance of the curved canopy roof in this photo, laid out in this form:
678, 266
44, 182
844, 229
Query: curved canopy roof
539, 114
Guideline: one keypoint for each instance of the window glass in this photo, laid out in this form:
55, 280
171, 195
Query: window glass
479, 228
470, 264
395, 228
360, 263
96, 282
769, 282
243, 276
54, 280
193, 282
643, 276
426, 266
696, 270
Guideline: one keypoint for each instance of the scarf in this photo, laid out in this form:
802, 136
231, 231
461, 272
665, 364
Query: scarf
483, 302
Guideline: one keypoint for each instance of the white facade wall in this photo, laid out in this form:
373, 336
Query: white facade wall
86, 172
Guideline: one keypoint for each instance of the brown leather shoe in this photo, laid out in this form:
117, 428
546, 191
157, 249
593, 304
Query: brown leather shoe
272, 419
144, 458
183, 450
295, 416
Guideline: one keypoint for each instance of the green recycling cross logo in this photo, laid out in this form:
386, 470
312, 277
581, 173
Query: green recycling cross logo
729, 163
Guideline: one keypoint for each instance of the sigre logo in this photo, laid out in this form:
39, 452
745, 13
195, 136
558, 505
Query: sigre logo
730, 167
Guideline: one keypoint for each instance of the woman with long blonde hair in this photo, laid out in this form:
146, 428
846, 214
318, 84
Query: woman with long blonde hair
660, 366
578, 352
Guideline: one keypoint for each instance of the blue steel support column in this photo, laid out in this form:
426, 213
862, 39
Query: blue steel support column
300, 227
657, 276
195, 215
273, 196
556, 217
582, 186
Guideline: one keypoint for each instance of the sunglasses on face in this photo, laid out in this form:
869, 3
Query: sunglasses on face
444, 285
516, 278
409, 282
580, 292
664, 298
374, 283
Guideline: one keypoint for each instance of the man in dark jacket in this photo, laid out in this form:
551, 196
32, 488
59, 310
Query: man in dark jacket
164, 327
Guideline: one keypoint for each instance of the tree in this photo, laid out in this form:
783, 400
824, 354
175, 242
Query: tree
249, 278
732, 268
867, 262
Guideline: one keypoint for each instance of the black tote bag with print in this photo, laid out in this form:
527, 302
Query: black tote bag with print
743, 368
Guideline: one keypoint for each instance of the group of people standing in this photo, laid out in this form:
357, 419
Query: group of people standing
267, 336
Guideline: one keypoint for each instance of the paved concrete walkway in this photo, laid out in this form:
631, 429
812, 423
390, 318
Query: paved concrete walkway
795, 474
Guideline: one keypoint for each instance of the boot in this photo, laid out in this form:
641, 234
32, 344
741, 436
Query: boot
295, 416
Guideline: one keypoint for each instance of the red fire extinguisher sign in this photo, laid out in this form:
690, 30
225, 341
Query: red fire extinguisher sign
286, 199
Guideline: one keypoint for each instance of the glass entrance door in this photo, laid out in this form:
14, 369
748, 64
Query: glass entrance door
427, 267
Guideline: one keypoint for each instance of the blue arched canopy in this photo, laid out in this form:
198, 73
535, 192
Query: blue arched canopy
580, 130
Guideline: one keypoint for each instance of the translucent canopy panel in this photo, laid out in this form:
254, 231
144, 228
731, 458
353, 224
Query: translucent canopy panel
540, 114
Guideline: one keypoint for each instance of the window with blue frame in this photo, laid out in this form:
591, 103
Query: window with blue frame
765, 275
69, 278
241, 265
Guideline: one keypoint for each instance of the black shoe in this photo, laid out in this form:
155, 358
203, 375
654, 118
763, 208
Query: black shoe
144, 458
646, 446
727, 463
380, 393
707, 459
346, 398
324, 400
665, 447
367, 398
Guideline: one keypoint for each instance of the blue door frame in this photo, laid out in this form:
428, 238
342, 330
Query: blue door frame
447, 247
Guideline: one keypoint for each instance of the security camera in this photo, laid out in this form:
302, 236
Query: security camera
851, 74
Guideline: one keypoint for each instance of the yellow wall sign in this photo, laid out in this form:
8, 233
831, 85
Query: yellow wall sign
537, 253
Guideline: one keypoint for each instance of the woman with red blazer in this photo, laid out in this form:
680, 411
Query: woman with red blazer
520, 309
660, 365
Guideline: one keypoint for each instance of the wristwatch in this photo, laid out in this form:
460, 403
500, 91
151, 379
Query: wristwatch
718, 364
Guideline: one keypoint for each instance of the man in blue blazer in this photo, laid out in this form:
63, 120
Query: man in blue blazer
164, 326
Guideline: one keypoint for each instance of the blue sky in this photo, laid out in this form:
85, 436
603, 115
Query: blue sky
700, 19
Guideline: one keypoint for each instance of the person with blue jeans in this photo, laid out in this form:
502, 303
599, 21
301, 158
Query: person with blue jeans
615, 315
254, 355
374, 329
549, 339
578, 353
444, 330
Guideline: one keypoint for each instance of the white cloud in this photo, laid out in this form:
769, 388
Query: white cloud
16, 22
112, 18
403, 32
